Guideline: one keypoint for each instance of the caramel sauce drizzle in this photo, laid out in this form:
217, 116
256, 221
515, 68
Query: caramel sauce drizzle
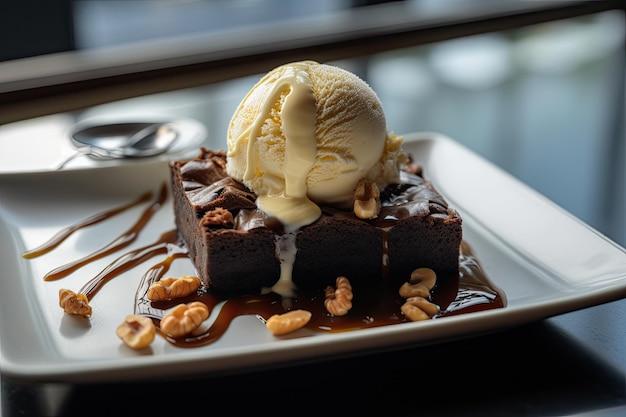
121, 242
375, 304
164, 245
63, 234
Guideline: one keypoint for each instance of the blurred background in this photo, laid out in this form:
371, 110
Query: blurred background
545, 102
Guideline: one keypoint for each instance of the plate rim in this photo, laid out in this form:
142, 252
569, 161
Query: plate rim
195, 361
194, 130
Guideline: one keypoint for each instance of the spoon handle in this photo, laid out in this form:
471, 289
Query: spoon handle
83, 150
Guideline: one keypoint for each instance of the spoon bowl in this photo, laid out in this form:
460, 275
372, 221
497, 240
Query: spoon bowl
152, 140
122, 140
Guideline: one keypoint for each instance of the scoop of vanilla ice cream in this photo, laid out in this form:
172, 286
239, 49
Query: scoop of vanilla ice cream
304, 136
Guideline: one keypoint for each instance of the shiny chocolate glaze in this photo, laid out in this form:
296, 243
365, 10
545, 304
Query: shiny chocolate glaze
208, 186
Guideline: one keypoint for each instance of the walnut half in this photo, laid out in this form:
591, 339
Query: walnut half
184, 318
169, 288
339, 301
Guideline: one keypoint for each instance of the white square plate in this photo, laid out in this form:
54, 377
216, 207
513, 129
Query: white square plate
546, 261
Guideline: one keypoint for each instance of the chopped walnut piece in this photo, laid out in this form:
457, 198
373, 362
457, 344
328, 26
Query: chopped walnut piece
184, 318
419, 308
280, 324
339, 301
136, 331
218, 217
169, 288
73, 303
422, 281
366, 199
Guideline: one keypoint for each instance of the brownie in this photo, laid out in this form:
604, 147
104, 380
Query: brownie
233, 244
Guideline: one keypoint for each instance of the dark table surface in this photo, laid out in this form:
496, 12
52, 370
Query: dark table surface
572, 364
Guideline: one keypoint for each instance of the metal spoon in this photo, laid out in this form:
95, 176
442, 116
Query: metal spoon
113, 142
